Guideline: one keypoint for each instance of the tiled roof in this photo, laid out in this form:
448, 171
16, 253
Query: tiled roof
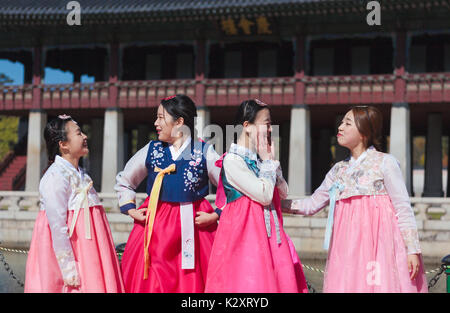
107, 11
54, 10
131, 6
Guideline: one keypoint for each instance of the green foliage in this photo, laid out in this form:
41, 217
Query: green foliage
419, 152
8, 126
8, 134
419, 149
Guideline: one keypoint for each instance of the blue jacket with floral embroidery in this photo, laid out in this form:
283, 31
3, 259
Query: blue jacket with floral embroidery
190, 180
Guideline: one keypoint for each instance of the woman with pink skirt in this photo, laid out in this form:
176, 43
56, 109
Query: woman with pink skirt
371, 233
251, 251
72, 249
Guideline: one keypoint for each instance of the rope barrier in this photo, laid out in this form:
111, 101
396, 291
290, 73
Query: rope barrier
311, 268
10, 271
14, 250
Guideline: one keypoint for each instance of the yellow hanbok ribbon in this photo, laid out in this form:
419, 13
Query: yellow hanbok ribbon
151, 212
82, 203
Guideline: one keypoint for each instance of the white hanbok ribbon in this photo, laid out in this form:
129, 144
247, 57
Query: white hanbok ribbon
187, 235
267, 210
82, 202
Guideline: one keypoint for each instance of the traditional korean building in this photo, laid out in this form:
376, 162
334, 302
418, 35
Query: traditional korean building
309, 59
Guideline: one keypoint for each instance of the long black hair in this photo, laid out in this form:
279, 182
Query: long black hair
248, 110
182, 106
54, 132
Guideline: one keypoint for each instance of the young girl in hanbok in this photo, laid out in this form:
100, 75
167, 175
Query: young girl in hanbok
371, 234
72, 249
251, 252
169, 247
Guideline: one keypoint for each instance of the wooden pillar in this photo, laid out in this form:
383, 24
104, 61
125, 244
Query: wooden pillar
300, 134
113, 143
400, 133
37, 77
113, 73
76, 77
299, 74
200, 61
28, 68
399, 70
36, 152
433, 157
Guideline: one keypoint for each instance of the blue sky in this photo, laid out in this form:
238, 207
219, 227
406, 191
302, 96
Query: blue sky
15, 71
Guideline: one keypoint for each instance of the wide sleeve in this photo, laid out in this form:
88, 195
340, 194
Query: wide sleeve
318, 200
259, 189
281, 184
213, 171
396, 188
55, 193
129, 179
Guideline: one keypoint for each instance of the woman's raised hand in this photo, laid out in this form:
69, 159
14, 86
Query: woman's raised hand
265, 148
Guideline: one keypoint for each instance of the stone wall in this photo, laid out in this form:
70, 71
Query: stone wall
18, 211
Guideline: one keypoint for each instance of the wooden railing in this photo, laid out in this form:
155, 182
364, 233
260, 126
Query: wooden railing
351, 89
137, 94
430, 87
18, 211
354, 89
95, 95
16, 97
225, 92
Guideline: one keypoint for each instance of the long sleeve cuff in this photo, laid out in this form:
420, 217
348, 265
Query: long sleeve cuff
279, 176
124, 208
411, 239
68, 267
268, 170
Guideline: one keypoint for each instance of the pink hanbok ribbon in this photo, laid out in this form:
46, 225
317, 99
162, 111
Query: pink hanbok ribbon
221, 198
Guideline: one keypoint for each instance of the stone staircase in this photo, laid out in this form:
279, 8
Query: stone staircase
12, 173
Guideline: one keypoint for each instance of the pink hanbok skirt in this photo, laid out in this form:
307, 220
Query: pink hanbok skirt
367, 252
245, 260
97, 262
165, 272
